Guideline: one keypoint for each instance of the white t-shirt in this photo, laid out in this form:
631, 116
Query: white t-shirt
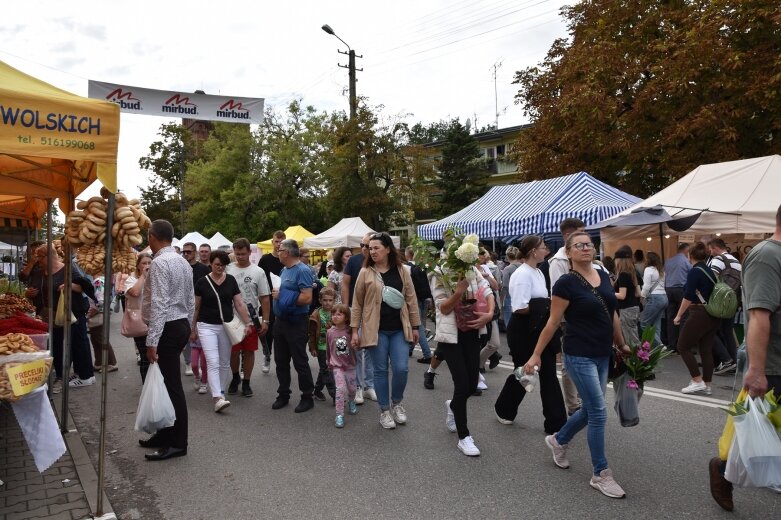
252, 282
526, 283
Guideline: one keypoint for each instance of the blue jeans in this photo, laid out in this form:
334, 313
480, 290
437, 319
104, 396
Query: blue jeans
653, 311
422, 329
590, 378
507, 310
364, 369
391, 345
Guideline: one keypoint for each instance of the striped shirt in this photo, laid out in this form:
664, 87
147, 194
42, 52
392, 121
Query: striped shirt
168, 293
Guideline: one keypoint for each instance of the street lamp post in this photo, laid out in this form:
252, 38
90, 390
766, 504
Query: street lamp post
351, 69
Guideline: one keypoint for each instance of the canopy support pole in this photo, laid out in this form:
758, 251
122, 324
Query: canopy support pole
661, 240
67, 293
104, 356
49, 288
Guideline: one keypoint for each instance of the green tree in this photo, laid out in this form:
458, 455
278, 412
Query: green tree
462, 174
167, 160
642, 91
373, 171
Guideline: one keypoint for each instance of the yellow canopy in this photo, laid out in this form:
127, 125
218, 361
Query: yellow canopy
297, 233
53, 144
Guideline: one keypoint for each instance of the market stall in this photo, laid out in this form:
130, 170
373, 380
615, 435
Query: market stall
507, 213
53, 144
347, 232
297, 233
736, 200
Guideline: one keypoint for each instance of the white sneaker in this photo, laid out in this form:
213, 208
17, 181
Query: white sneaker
188, 370
606, 485
399, 413
386, 420
502, 420
359, 395
78, 383
450, 420
370, 394
467, 446
695, 388
221, 404
203, 389
266, 366
481, 383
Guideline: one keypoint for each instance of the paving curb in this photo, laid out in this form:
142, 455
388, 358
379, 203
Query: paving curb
84, 468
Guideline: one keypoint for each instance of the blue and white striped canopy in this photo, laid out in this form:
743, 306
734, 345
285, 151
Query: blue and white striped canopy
509, 212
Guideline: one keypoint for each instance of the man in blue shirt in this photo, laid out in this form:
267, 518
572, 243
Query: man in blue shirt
675, 271
291, 308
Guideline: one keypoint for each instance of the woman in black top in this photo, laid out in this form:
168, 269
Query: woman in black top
207, 323
585, 298
628, 295
700, 327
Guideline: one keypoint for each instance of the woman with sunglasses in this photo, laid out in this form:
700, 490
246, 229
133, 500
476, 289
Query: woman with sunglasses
385, 308
586, 299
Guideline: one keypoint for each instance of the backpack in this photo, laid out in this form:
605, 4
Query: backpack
420, 282
730, 275
723, 302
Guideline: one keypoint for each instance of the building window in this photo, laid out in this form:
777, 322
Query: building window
499, 150
490, 153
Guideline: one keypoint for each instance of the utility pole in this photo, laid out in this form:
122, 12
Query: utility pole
351, 70
496, 67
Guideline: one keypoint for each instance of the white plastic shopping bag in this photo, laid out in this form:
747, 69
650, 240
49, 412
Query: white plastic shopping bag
759, 444
736, 471
155, 410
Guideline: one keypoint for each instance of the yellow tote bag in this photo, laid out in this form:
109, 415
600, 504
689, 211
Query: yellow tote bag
59, 317
725, 441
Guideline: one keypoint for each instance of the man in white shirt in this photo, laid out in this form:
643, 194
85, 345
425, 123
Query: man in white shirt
255, 293
558, 266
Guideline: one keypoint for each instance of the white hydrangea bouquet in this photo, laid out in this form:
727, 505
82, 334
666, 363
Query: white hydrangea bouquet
455, 262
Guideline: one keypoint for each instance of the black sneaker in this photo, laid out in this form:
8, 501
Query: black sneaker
281, 402
493, 361
428, 380
233, 387
425, 360
725, 368
246, 391
319, 395
305, 405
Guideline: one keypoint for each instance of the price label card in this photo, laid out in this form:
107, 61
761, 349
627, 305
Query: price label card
26, 377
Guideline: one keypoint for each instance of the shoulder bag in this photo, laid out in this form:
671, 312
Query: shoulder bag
235, 328
391, 296
132, 325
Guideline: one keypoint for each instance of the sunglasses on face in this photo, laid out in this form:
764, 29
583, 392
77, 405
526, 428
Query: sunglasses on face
187, 251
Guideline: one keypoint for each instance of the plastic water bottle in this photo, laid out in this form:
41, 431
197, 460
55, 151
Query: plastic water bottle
528, 381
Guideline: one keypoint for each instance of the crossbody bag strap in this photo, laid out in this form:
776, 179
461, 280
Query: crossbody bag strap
594, 292
219, 303
702, 300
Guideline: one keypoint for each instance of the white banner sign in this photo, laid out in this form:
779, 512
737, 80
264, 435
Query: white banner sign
166, 103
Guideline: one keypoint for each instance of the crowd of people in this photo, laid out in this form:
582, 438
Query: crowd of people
361, 314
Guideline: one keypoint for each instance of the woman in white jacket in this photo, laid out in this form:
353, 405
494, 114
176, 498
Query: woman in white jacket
461, 349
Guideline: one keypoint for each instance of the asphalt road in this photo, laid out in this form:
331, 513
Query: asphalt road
254, 462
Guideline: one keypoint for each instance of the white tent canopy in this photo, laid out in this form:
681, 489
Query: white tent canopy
734, 197
194, 237
219, 240
347, 232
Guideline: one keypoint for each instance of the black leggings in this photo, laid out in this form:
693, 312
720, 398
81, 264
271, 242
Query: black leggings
143, 365
463, 360
522, 342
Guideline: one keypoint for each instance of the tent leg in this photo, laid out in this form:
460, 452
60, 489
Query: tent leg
661, 240
67, 293
104, 357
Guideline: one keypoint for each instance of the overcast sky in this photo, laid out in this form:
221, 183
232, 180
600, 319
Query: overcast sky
432, 59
